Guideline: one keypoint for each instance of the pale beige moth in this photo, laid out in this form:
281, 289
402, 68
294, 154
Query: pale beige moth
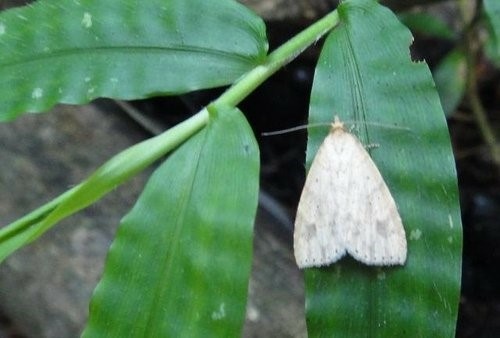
347, 208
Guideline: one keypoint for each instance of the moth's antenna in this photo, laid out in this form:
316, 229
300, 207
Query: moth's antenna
322, 124
289, 130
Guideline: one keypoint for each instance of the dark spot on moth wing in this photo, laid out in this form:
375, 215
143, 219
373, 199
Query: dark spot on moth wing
310, 231
382, 227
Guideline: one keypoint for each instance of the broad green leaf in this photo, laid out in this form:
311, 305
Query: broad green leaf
365, 74
180, 263
111, 174
426, 24
492, 11
75, 51
450, 77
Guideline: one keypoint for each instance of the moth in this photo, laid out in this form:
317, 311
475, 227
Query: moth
347, 208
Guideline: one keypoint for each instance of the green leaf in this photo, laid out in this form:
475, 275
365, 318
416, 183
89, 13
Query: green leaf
426, 24
111, 174
492, 13
180, 263
365, 75
75, 51
450, 77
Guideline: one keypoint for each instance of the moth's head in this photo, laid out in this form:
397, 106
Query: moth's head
337, 124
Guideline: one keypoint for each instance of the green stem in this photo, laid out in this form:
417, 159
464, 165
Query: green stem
277, 59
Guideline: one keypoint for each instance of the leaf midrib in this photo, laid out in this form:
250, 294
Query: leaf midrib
168, 262
73, 52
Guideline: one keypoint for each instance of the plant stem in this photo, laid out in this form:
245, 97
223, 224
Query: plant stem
277, 59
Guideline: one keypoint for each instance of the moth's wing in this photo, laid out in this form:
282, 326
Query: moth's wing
375, 233
318, 236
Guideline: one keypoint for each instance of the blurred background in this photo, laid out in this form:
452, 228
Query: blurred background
44, 289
